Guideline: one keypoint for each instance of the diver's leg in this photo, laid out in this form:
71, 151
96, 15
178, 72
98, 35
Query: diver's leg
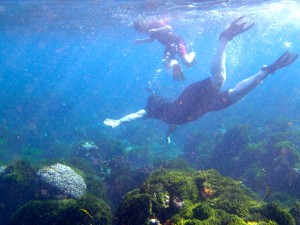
171, 63
218, 69
245, 86
188, 59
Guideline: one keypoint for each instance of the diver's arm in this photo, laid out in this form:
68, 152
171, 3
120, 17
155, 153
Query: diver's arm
134, 116
151, 32
166, 28
160, 31
144, 41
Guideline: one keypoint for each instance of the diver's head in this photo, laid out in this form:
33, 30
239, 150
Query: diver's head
137, 25
140, 26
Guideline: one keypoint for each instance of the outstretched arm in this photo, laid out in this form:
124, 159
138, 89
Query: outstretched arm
151, 32
166, 28
134, 116
143, 41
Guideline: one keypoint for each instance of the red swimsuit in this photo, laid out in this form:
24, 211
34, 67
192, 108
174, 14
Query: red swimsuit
173, 43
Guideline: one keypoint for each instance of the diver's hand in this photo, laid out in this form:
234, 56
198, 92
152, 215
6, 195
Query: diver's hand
112, 123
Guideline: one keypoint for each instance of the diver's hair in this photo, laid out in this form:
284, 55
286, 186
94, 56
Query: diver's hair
137, 25
141, 25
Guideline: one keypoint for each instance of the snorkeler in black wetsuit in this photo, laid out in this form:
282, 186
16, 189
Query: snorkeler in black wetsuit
205, 96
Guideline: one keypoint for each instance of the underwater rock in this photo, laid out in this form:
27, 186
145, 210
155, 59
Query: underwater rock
225, 201
295, 212
84, 211
153, 221
91, 152
60, 181
87, 149
277, 214
17, 185
233, 150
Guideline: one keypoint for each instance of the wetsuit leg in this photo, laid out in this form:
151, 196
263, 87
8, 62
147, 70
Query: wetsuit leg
245, 86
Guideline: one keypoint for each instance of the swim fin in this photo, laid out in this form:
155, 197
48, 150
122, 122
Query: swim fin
235, 28
150, 90
286, 59
177, 72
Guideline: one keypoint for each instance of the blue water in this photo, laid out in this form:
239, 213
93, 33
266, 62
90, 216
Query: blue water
65, 66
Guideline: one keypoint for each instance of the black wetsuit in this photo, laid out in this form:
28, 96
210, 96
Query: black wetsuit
196, 100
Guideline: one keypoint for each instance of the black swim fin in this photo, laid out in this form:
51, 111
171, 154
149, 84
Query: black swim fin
177, 73
286, 59
150, 90
236, 27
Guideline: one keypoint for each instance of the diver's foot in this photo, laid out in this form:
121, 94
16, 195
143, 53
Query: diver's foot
177, 72
286, 59
236, 27
192, 59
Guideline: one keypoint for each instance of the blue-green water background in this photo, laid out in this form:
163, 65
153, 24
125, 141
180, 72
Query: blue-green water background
65, 66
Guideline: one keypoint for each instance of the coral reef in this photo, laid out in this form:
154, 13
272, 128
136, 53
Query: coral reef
60, 181
108, 172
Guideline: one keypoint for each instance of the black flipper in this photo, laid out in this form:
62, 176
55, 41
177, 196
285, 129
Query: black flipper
236, 28
177, 73
284, 60
150, 90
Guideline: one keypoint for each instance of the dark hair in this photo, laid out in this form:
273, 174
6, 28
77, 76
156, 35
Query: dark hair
137, 25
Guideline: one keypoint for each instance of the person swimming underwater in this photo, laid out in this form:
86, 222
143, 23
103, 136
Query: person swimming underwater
206, 95
174, 44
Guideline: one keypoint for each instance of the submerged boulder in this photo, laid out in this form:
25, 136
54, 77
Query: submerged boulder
202, 197
59, 181
84, 211
17, 185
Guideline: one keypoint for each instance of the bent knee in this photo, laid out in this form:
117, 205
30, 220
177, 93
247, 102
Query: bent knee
217, 81
188, 59
233, 96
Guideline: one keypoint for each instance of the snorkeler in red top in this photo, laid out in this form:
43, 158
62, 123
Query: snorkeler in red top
174, 44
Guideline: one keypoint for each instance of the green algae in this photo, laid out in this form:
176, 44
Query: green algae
229, 202
85, 211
